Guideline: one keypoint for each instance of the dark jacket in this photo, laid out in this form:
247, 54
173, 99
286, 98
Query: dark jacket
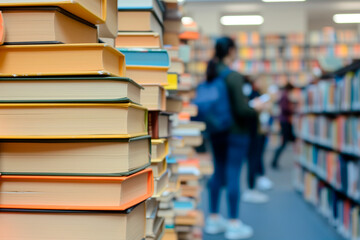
243, 114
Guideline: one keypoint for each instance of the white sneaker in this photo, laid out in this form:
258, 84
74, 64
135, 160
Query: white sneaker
254, 196
264, 183
215, 225
238, 230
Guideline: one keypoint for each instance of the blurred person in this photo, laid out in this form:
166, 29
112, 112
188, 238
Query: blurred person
229, 147
287, 134
259, 129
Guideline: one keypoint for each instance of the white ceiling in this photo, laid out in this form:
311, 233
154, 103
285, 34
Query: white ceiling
318, 13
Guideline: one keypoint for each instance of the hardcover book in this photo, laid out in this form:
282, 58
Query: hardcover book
71, 121
75, 193
69, 225
61, 59
92, 11
105, 157
153, 97
69, 89
143, 5
138, 40
56, 26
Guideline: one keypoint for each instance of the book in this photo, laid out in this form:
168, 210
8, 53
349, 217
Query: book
160, 184
193, 218
152, 207
172, 39
174, 104
64, 121
139, 21
146, 57
69, 89
92, 225
148, 74
173, 81
138, 40
109, 29
56, 26
158, 125
109, 41
2, 29
177, 66
159, 149
75, 193
158, 229
153, 97
105, 157
155, 6
91, 11
158, 167
61, 60
174, 26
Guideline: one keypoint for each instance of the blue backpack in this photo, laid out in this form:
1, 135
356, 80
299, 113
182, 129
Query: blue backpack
212, 100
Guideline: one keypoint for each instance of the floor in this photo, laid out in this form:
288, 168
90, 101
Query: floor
286, 216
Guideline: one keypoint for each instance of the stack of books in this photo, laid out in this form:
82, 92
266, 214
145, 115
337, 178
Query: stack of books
74, 139
148, 63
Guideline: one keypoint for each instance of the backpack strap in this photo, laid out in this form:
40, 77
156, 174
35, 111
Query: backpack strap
225, 73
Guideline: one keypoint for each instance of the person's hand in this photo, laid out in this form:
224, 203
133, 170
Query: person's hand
258, 105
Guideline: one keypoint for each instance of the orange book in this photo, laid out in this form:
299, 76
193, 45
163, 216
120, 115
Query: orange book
148, 74
138, 40
61, 59
75, 193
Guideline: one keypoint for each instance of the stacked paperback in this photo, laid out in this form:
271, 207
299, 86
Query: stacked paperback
75, 147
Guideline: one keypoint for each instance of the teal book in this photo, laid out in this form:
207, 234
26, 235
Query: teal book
146, 57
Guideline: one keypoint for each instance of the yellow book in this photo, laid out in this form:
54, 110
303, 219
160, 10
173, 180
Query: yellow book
159, 149
61, 59
93, 11
173, 79
158, 167
72, 121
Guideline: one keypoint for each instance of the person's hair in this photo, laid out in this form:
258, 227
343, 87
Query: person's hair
288, 87
222, 49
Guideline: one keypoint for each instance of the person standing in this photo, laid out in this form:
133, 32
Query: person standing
287, 109
259, 128
230, 147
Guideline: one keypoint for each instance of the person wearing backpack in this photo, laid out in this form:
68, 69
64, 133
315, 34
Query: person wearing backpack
229, 145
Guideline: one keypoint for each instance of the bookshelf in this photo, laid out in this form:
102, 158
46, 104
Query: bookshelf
327, 170
291, 58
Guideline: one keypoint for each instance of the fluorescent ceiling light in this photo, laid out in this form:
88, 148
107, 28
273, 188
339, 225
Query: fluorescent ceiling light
347, 18
187, 20
283, 0
242, 20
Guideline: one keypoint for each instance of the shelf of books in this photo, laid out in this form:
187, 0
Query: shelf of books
290, 58
327, 170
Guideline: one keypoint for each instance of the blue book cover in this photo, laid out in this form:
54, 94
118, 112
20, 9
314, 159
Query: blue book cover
146, 57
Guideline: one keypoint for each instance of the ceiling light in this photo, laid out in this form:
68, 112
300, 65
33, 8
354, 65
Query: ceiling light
242, 20
347, 18
283, 0
187, 20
